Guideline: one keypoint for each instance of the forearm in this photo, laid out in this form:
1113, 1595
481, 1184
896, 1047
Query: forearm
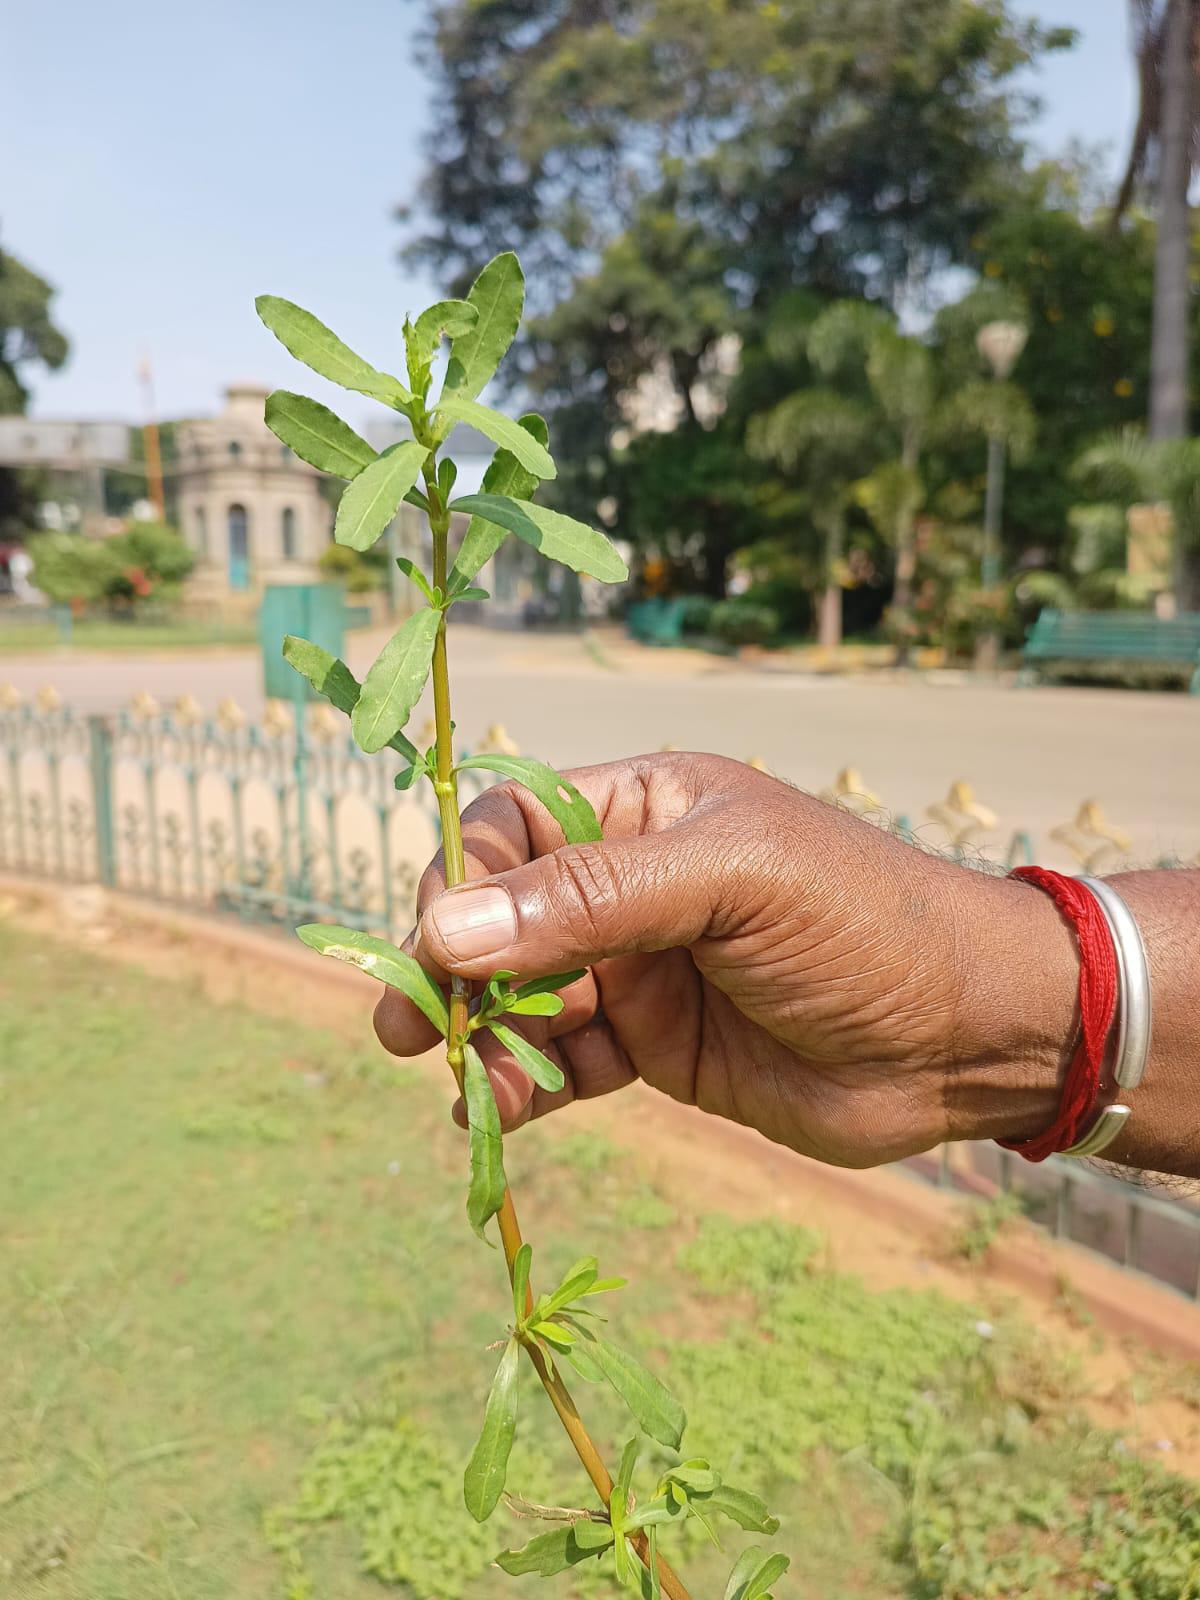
1020, 1020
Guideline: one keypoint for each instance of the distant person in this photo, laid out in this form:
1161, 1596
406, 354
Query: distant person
776, 961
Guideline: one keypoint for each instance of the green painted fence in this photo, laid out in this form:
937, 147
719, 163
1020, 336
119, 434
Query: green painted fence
277, 823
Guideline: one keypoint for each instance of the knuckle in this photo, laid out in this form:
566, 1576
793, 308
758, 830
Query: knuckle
586, 888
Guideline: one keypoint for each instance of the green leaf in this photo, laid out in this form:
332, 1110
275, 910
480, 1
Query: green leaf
696, 1475
501, 430
652, 1564
657, 1514
535, 1005
549, 985
561, 1338
623, 1561
335, 681
483, 1481
312, 342
557, 536
625, 1474
772, 1569
469, 594
488, 1182
561, 799
592, 1535
653, 1406
394, 684
414, 575
530, 1059
605, 1286
577, 1280
522, 1262
746, 1509
580, 1357
754, 1573
447, 477
696, 1507
450, 317
505, 475
498, 295
550, 1553
382, 961
407, 776
373, 499
316, 434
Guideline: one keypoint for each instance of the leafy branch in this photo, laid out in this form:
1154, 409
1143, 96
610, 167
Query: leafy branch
561, 1329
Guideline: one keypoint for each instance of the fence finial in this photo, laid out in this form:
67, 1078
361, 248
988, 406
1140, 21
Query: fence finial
961, 814
1091, 838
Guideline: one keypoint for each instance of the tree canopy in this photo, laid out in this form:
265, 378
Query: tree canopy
28, 337
696, 182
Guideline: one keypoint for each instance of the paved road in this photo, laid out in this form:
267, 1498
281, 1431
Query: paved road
1032, 755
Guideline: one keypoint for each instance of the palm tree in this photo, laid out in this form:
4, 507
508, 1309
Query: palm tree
1132, 470
825, 437
879, 399
1167, 47
900, 380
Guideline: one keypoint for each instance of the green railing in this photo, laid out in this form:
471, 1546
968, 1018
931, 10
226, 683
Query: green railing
274, 822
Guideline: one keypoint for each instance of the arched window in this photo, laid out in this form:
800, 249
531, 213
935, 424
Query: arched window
239, 548
286, 455
288, 533
201, 532
235, 450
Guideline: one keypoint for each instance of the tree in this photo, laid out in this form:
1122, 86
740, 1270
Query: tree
1130, 469
1085, 296
821, 439
28, 337
1167, 48
780, 129
674, 167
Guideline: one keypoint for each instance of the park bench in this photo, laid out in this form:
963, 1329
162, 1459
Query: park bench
1096, 636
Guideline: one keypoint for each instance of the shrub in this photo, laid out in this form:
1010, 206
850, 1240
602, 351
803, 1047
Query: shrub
341, 564
148, 558
740, 622
698, 613
72, 570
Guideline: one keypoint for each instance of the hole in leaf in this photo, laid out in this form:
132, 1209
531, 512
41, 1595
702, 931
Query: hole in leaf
566, 797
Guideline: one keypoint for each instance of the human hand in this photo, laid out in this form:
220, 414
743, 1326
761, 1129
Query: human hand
759, 954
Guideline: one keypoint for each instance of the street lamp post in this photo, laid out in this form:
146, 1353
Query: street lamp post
1000, 344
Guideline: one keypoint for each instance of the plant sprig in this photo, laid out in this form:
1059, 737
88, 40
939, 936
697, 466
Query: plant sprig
560, 1329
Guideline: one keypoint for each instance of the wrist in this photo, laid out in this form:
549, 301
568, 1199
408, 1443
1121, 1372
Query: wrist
1016, 1015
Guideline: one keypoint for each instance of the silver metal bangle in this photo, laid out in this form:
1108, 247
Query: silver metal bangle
1134, 1015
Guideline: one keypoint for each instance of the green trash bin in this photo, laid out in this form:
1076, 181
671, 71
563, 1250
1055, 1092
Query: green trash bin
315, 611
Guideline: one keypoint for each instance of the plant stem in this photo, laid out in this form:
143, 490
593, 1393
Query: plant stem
446, 786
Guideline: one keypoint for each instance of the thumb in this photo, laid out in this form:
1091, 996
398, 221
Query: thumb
577, 906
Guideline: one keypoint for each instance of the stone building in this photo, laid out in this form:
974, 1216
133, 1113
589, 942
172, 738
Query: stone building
252, 511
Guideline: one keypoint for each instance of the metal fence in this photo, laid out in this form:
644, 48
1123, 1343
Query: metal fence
1083, 1204
278, 822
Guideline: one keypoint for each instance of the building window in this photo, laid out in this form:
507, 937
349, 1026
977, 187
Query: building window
288, 529
201, 532
239, 548
235, 450
286, 455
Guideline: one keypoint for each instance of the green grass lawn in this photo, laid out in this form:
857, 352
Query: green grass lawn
246, 1330
96, 634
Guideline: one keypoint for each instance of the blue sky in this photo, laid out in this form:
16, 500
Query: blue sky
179, 160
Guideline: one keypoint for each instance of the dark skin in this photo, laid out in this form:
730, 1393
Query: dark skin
772, 960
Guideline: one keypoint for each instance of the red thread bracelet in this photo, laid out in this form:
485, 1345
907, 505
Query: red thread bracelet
1097, 1008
